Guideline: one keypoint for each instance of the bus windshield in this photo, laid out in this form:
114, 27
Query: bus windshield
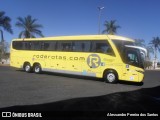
120, 44
132, 56
129, 55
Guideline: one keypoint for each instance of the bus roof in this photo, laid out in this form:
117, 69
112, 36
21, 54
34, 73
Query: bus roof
80, 37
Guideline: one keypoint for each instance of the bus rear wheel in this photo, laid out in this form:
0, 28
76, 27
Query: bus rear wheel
27, 67
37, 68
110, 77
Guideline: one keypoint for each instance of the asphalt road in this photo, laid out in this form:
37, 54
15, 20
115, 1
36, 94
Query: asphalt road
20, 88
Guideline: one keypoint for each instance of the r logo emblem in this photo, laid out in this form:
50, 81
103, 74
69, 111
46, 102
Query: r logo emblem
93, 61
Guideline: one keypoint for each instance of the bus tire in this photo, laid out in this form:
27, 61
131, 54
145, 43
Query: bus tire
110, 76
27, 67
37, 68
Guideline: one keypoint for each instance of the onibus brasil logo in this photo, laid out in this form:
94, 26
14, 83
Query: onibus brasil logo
93, 61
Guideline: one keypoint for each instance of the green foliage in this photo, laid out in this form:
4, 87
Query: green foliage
5, 22
110, 27
140, 42
155, 43
147, 64
29, 26
3, 50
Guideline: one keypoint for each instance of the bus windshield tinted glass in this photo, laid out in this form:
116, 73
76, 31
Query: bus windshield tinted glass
120, 44
133, 57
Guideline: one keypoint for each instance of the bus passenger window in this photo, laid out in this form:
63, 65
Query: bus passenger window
64, 46
102, 46
27, 45
35, 45
86, 45
17, 45
77, 46
45, 46
81, 46
48, 45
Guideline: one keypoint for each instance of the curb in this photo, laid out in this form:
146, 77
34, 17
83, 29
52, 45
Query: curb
4, 64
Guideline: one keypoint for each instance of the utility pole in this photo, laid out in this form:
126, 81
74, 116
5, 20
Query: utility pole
99, 21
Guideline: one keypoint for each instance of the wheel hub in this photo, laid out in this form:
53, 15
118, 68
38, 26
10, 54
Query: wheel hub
111, 77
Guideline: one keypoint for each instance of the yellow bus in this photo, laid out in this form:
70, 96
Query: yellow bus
109, 57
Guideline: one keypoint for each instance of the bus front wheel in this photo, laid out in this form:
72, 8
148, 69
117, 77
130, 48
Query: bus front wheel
37, 68
110, 76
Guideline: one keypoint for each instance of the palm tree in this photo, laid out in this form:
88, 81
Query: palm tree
149, 50
140, 42
111, 27
5, 24
155, 42
29, 26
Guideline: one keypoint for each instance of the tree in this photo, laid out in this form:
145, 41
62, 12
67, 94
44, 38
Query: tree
5, 24
155, 42
140, 42
111, 27
149, 50
4, 51
29, 26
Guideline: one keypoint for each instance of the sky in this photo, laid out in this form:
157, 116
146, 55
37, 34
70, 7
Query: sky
139, 19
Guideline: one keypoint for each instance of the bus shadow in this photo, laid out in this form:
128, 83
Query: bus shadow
73, 76
92, 78
143, 100
131, 83
86, 78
